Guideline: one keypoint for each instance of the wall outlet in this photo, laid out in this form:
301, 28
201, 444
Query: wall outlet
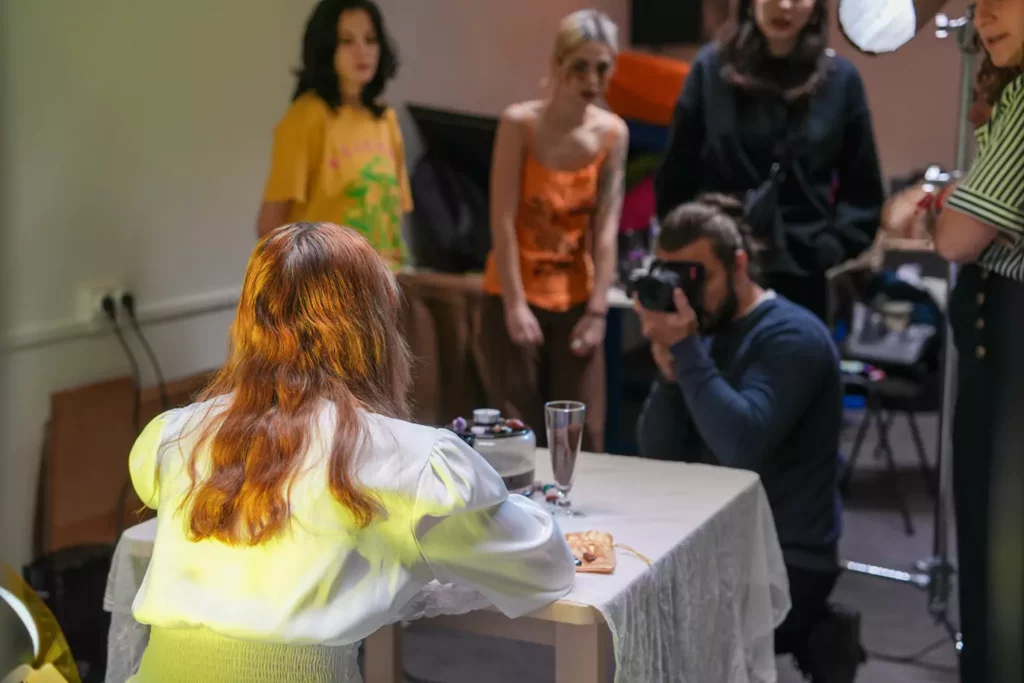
89, 300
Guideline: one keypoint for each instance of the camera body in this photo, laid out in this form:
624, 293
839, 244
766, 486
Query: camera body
654, 288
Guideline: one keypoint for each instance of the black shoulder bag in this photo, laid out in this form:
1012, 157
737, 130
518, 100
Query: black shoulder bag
761, 204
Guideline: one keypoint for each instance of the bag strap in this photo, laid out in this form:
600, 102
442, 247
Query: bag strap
796, 117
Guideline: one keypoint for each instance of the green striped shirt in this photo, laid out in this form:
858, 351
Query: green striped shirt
993, 190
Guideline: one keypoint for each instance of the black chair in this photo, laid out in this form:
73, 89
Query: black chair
886, 399
911, 382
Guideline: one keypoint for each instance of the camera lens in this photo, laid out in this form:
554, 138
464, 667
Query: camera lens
655, 290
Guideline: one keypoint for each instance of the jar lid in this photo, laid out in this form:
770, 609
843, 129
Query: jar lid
486, 416
500, 428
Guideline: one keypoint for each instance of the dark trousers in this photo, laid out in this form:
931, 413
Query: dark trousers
521, 380
984, 311
809, 291
1006, 505
808, 592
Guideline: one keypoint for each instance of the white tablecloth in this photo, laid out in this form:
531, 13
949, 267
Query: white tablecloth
705, 611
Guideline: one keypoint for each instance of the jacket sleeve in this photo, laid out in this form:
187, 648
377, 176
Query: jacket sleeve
860, 195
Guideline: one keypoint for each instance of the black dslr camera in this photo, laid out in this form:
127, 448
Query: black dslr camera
654, 288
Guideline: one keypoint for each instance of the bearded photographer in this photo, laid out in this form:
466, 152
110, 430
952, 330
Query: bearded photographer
751, 380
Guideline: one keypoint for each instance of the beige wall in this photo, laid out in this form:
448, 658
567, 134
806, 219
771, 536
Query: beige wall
135, 138
134, 142
914, 95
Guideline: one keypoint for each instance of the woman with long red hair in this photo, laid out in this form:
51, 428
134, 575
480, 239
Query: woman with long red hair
299, 511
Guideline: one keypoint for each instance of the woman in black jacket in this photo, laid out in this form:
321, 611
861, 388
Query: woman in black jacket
770, 93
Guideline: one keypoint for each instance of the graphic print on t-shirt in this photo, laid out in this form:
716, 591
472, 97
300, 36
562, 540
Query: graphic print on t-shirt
375, 210
342, 166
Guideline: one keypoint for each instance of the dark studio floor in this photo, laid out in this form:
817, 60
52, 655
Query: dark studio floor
895, 616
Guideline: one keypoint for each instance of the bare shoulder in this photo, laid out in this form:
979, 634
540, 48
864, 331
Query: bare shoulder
522, 113
610, 123
618, 127
610, 127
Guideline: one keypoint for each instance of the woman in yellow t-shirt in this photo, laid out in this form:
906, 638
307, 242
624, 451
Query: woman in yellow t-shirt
338, 155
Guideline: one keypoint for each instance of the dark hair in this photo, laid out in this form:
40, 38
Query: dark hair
319, 44
716, 217
745, 54
992, 79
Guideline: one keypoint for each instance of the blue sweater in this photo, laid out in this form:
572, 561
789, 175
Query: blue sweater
762, 395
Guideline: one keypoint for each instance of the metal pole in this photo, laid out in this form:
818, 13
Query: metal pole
942, 570
936, 573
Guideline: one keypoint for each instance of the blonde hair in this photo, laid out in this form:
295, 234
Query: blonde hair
583, 26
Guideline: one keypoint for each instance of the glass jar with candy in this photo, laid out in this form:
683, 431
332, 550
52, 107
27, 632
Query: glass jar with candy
508, 445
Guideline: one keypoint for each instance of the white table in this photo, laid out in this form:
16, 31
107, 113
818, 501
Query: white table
705, 610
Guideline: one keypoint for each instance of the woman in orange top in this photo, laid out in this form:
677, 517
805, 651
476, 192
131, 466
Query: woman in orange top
338, 155
556, 198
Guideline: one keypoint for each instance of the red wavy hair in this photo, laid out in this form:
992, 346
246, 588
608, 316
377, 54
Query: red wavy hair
318, 319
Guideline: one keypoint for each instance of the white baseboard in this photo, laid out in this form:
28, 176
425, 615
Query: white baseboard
61, 331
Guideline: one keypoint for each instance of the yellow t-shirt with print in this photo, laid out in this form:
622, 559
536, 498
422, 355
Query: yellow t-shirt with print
346, 167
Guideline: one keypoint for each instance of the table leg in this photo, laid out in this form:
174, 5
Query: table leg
383, 655
581, 653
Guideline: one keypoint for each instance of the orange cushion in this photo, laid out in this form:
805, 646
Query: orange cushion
645, 87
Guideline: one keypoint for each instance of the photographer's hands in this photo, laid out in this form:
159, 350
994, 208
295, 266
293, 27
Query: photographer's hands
668, 329
664, 360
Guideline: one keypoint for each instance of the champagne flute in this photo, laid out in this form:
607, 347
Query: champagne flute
564, 422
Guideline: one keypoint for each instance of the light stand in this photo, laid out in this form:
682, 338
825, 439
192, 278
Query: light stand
935, 574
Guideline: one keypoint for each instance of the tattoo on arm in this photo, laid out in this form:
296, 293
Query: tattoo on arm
612, 181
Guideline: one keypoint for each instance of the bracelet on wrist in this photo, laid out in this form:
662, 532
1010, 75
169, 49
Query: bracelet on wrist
591, 313
940, 199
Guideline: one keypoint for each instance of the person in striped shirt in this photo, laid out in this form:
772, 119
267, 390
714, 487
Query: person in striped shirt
979, 222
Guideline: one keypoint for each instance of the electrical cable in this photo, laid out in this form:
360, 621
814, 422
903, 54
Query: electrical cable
110, 310
128, 304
